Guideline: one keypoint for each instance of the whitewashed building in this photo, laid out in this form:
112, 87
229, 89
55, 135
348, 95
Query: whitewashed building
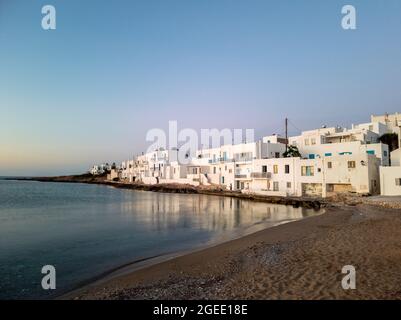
99, 169
332, 160
391, 121
328, 142
390, 177
319, 177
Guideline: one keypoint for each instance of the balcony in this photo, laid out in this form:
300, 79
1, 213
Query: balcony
218, 160
241, 176
260, 175
243, 159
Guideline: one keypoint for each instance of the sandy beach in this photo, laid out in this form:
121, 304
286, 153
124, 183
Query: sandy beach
298, 260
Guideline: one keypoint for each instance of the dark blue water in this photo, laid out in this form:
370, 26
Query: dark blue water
85, 230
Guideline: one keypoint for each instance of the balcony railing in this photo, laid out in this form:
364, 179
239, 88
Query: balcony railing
217, 160
241, 176
243, 159
260, 175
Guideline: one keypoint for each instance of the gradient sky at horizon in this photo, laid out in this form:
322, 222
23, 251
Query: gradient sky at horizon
89, 91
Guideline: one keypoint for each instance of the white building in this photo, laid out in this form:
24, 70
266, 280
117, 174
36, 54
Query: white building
392, 122
333, 160
328, 142
231, 165
316, 177
99, 169
390, 177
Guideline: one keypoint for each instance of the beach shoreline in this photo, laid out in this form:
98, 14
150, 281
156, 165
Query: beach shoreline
297, 260
146, 262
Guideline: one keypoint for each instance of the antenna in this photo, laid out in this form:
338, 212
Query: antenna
286, 134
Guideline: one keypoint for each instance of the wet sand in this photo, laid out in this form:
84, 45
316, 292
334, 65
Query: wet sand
298, 260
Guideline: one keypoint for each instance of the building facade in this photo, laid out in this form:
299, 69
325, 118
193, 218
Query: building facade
331, 161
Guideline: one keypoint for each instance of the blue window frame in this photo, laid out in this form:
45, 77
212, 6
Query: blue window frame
311, 156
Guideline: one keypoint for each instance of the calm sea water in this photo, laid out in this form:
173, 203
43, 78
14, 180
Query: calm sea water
86, 230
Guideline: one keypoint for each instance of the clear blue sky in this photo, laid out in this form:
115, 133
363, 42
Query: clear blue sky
90, 90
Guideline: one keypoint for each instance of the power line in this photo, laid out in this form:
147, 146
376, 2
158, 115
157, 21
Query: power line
290, 122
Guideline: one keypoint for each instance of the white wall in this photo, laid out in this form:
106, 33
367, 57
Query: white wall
388, 176
396, 158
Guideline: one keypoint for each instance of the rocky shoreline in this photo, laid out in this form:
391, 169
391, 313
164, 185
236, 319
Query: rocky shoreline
315, 203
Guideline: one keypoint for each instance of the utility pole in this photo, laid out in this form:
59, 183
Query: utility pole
286, 134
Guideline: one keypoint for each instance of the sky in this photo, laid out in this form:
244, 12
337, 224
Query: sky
89, 91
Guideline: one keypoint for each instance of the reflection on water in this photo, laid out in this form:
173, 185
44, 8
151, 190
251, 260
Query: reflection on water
85, 230
166, 212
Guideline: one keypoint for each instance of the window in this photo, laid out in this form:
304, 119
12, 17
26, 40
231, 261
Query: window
225, 168
370, 152
351, 164
329, 165
311, 156
328, 154
275, 186
398, 181
313, 141
288, 185
307, 171
385, 153
214, 170
287, 168
264, 169
230, 171
277, 154
306, 142
275, 168
222, 179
